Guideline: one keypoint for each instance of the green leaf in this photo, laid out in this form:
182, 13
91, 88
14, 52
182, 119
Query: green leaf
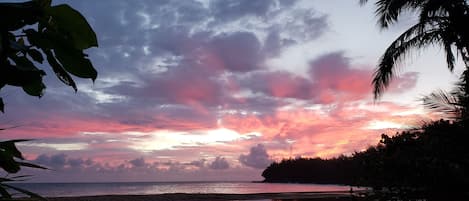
20, 177
10, 148
36, 55
59, 71
71, 23
21, 41
17, 15
2, 105
24, 63
15, 178
39, 40
17, 140
8, 163
43, 3
3, 179
18, 45
26, 192
5, 194
76, 63
35, 88
31, 165
16, 76
33, 85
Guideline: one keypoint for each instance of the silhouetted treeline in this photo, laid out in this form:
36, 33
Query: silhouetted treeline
435, 157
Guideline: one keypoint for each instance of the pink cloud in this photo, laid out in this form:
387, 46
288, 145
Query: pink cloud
280, 84
336, 80
324, 132
331, 79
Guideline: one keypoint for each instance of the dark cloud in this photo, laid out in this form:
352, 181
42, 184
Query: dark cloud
274, 43
45, 160
199, 163
76, 162
219, 163
279, 84
156, 171
257, 157
238, 51
175, 40
138, 162
60, 161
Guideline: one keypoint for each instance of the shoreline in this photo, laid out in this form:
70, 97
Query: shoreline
319, 196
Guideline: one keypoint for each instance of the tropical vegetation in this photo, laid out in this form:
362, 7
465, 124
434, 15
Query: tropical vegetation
429, 162
34, 29
31, 33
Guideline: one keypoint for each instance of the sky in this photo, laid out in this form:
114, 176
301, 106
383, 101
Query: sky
209, 90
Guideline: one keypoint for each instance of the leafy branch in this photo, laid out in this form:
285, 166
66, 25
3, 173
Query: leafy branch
34, 31
11, 161
30, 33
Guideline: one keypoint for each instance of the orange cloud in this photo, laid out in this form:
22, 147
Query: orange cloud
324, 132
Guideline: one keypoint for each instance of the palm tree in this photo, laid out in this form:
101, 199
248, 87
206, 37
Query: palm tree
440, 22
454, 104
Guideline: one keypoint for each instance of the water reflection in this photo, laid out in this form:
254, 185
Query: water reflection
147, 188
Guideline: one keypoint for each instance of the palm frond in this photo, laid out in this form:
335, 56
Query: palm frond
440, 22
443, 102
23, 191
434, 8
363, 2
454, 104
388, 11
449, 55
416, 37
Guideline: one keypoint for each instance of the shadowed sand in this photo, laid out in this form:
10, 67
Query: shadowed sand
316, 196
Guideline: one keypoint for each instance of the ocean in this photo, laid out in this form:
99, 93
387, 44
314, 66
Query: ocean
145, 188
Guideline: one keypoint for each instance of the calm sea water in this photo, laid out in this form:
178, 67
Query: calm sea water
143, 188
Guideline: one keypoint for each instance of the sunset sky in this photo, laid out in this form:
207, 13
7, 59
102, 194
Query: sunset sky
217, 90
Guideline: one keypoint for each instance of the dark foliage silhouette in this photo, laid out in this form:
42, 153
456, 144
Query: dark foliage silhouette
11, 161
34, 29
426, 162
454, 104
31, 32
440, 22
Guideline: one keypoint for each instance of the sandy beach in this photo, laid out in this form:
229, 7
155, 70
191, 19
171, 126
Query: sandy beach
316, 196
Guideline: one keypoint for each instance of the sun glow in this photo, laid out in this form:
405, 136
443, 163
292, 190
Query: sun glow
166, 139
379, 125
